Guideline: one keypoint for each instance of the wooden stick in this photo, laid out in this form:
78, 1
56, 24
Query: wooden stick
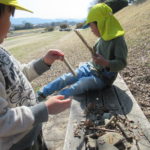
124, 131
83, 40
103, 129
109, 122
69, 66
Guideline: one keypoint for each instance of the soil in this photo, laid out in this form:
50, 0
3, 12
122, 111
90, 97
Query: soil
138, 81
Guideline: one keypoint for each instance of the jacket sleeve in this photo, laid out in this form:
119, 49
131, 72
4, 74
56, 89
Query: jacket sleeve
34, 69
21, 119
120, 55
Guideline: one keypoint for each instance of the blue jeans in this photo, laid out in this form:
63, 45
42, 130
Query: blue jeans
84, 81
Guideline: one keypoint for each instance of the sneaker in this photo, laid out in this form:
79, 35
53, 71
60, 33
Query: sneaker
40, 96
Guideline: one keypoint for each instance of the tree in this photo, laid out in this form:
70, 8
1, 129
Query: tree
49, 29
115, 5
63, 26
28, 26
79, 25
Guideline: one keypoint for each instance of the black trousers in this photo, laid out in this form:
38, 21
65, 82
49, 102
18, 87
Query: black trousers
39, 144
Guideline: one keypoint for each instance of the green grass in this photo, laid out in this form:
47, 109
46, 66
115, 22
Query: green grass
29, 45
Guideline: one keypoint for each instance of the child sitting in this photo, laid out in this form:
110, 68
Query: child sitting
110, 57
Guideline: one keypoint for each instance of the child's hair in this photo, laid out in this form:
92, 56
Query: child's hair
95, 22
10, 8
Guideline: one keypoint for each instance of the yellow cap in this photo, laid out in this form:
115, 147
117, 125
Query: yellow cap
108, 26
15, 4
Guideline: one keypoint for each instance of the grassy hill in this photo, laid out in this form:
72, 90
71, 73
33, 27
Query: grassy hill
136, 22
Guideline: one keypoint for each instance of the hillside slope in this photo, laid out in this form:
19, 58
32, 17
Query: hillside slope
136, 21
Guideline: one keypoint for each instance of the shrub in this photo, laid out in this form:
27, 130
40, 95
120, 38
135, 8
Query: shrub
79, 25
49, 29
116, 5
63, 26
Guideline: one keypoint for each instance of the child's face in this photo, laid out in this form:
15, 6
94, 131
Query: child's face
4, 24
94, 29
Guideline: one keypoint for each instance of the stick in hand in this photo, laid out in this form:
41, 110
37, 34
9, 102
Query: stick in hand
83, 40
69, 66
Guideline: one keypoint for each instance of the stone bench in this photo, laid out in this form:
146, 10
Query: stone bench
112, 113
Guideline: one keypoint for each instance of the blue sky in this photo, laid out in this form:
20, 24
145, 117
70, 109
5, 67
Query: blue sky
52, 9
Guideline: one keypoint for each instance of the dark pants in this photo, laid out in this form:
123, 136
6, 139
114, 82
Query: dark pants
39, 144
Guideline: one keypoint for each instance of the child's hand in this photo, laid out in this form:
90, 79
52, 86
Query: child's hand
100, 60
55, 104
53, 55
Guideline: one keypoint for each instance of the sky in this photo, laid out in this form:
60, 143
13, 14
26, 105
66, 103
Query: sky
52, 9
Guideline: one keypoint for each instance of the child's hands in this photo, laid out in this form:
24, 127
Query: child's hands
53, 55
100, 60
55, 104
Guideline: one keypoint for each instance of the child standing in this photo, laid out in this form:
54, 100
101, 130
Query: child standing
21, 115
110, 57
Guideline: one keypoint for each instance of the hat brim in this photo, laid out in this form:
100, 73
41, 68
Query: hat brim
15, 4
19, 7
85, 26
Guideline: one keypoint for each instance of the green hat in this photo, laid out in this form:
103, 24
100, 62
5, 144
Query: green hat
107, 24
15, 4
